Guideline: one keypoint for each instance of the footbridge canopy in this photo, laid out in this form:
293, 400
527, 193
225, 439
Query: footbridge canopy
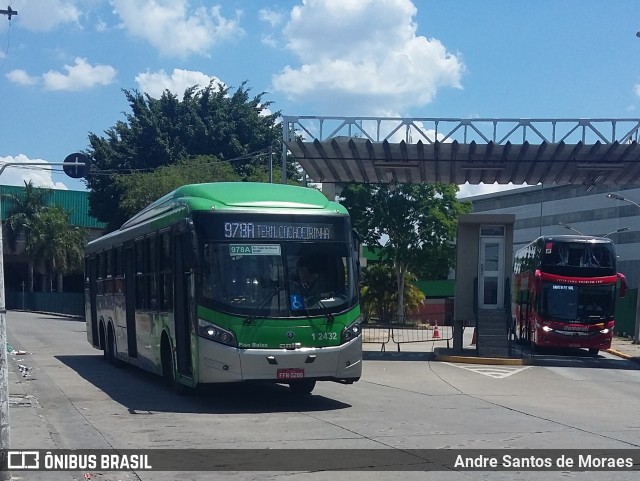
449, 150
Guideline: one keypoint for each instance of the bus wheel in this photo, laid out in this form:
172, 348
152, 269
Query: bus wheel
110, 349
303, 388
103, 344
168, 372
594, 351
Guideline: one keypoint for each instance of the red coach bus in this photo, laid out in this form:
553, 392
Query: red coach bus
564, 292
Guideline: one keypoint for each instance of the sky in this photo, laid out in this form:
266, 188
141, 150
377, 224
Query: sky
65, 63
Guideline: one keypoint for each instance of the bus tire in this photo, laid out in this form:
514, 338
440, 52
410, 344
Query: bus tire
594, 351
168, 371
303, 387
112, 355
103, 343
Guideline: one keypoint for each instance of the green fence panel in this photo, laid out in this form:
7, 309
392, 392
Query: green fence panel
69, 303
626, 313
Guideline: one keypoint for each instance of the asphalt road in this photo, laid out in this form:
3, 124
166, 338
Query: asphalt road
71, 399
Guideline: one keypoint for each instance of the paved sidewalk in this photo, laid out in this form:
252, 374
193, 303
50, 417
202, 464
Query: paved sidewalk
625, 348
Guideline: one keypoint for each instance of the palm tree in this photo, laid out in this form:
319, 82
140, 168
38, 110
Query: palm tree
21, 214
379, 292
55, 243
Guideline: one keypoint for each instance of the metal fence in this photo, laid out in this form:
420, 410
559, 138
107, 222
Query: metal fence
399, 334
68, 303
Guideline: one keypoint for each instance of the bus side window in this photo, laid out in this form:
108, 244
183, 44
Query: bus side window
166, 279
99, 273
152, 265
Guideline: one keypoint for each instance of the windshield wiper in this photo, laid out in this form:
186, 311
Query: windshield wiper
328, 316
262, 303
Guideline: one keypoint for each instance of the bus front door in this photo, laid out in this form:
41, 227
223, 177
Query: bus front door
183, 308
92, 271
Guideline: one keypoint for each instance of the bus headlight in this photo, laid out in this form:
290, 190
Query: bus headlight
216, 333
546, 329
352, 331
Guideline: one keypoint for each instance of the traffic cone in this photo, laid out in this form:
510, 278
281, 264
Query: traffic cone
436, 333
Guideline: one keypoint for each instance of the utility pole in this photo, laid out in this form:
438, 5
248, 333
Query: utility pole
75, 166
4, 368
9, 12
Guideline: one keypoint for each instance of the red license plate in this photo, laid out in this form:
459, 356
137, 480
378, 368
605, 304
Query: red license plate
293, 373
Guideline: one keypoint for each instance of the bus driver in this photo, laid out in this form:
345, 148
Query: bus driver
310, 269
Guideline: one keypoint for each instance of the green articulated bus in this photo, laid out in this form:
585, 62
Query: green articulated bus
229, 282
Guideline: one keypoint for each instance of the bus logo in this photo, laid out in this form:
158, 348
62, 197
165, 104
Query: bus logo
291, 334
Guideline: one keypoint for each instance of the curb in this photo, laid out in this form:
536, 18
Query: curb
483, 360
615, 352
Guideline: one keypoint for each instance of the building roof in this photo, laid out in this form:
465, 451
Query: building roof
393, 150
73, 201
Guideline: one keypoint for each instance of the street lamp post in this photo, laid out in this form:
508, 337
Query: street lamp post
566, 226
621, 229
636, 330
611, 195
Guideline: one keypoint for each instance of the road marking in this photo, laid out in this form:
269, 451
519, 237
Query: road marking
496, 372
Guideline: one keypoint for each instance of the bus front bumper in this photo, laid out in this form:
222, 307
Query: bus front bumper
219, 363
588, 339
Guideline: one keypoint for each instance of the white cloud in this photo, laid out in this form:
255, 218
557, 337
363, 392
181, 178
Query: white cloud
269, 41
155, 83
636, 89
45, 15
271, 17
21, 77
81, 76
39, 175
172, 29
364, 56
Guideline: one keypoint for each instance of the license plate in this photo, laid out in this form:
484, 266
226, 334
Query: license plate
293, 373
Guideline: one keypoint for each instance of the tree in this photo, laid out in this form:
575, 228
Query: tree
210, 122
414, 225
56, 244
22, 213
379, 293
141, 188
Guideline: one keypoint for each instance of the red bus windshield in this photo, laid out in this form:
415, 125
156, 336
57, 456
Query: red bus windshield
585, 304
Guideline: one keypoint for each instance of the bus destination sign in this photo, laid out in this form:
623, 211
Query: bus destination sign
278, 231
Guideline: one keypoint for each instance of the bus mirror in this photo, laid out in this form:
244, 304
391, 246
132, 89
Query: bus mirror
189, 250
185, 225
623, 284
357, 240
538, 280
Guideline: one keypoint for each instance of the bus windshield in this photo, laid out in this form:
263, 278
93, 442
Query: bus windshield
572, 303
278, 279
